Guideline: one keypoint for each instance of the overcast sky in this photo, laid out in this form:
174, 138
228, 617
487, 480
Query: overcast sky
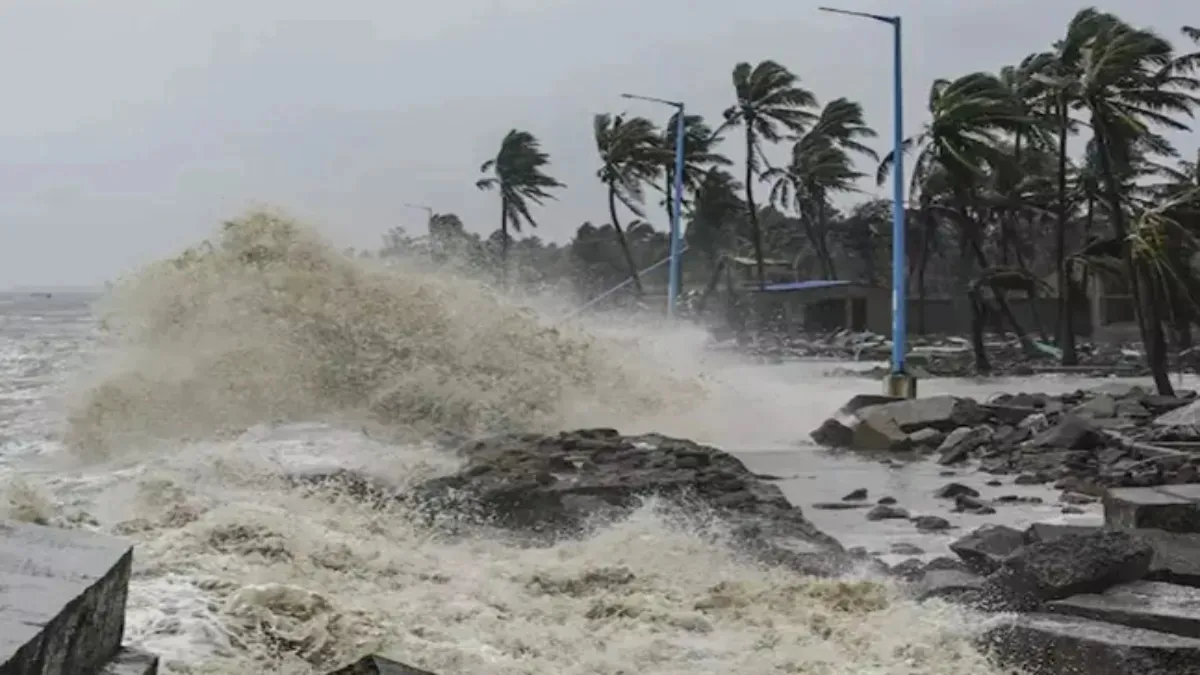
130, 128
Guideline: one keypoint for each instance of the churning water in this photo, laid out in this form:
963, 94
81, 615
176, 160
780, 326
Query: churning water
169, 411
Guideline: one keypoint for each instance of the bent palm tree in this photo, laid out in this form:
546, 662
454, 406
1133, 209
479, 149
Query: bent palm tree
699, 155
630, 156
770, 102
518, 174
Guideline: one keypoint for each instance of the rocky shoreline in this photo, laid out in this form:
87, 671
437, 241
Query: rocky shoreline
1120, 598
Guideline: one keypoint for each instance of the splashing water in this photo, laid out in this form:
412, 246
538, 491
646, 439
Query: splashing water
236, 364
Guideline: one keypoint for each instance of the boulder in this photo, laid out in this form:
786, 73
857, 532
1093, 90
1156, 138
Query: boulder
1069, 565
984, 549
1176, 556
961, 442
885, 424
130, 661
943, 413
949, 585
378, 665
1053, 644
562, 483
1071, 433
1187, 415
1174, 508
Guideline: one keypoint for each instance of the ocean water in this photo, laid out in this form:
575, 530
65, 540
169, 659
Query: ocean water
168, 410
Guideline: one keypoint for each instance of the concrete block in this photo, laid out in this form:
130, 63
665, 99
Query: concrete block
62, 599
1176, 555
1152, 605
130, 661
1052, 644
378, 665
1172, 508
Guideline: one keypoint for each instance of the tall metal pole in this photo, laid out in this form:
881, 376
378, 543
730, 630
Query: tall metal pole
899, 382
673, 272
676, 235
899, 250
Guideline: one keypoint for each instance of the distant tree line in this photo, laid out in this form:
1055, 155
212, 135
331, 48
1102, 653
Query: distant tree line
997, 203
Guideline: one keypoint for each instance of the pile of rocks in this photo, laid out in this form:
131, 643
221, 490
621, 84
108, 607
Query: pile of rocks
1123, 598
1117, 435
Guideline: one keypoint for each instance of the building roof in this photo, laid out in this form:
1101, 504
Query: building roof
808, 285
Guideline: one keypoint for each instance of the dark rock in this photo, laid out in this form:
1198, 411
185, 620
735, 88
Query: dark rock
1052, 644
968, 504
1076, 498
1071, 510
1069, 565
887, 512
1100, 407
856, 496
1009, 413
1073, 433
931, 523
943, 413
561, 484
949, 585
902, 548
378, 665
1174, 508
946, 563
839, 506
993, 483
984, 549
886, 500
62, 599
910, 569
1032, 479
1151, 605
952, 490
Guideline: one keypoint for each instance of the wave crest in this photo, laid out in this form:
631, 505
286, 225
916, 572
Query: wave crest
270, 323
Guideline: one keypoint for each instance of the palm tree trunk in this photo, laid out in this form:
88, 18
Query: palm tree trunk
978, 318
1066, 314
504, 242
822, 241
755, 230
623, 242
1152, 340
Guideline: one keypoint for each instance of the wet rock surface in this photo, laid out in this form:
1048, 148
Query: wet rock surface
378, 665
1082, 443
566, 482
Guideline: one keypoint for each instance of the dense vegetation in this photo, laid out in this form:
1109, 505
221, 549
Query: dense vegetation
1032, 177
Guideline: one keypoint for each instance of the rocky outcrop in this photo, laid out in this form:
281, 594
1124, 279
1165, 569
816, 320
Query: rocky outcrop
562, 483
378, 665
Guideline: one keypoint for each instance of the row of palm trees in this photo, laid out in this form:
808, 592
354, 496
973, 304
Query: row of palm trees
991, 167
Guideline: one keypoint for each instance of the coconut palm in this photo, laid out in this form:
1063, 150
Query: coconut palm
630, 157
1129, 83
700, 154
770, 104
964, 141
518, 174
821, 166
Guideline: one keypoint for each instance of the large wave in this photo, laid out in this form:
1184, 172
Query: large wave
271, 323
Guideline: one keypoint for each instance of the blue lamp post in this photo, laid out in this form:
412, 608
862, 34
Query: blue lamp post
676, 235
899, 382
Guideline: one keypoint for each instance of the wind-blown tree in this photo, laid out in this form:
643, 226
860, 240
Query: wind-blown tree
717, 210
962, 143
821, 166
1129, 84
770, 105
700, 154
518, 173
630, 158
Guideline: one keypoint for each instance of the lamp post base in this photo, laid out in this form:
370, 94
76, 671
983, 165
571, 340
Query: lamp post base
900, 385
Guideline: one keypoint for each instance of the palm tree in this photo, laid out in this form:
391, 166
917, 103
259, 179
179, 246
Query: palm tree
820, 166
518, 174
770, 103
630, 156
1128, 83
700, 154
717, 211
963, 143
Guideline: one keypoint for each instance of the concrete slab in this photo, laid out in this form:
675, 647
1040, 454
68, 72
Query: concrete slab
1153, 605
130, 661
378, 665
1171, 508
1051, 644
62, 599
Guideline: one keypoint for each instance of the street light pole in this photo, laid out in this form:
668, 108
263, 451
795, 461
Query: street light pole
673, 271
899, 382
